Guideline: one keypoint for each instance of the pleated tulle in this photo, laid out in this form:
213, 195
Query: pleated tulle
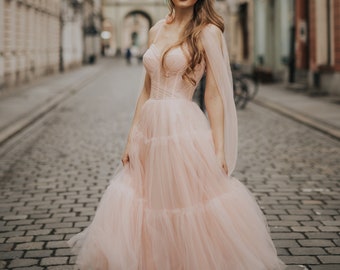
172, 207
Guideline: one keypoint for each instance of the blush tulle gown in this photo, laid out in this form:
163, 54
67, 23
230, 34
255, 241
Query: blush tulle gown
172, 207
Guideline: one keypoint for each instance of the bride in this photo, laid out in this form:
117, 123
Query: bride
174, 204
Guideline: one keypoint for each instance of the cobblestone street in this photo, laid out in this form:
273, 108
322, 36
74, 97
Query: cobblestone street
53, 174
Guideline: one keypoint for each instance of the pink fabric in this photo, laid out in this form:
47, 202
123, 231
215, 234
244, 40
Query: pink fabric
217, 55
173, 207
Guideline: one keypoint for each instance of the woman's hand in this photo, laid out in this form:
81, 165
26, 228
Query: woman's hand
126, 157
222, 161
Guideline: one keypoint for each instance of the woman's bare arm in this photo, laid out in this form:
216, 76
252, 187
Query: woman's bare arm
143, 97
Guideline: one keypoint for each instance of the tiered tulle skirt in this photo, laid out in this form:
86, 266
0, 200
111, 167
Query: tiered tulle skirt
172, 207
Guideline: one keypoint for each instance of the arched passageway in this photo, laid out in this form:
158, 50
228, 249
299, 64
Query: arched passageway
136, 26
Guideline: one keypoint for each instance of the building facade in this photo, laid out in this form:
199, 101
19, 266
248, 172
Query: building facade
40, 37
2, 60
239, 20
317, 44
259, 36
29, 42
71, 36
273, 22
292, 41
92, 24
80, 32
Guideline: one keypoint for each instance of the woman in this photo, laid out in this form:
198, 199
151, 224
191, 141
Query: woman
174, 205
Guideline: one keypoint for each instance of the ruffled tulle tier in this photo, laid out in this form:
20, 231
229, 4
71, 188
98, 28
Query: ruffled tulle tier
172, 207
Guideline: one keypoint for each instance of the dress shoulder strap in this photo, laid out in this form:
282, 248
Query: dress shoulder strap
159, 28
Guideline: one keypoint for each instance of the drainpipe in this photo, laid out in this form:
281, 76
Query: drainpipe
292, 30
329, 46
61, 27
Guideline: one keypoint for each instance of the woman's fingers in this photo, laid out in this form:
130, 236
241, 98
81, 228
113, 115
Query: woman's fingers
222, 161
225, 168
125, 159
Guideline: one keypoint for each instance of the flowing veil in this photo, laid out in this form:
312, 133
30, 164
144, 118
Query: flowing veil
215, 47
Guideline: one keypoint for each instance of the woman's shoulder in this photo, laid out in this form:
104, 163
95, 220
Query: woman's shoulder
211, 33
157, 25
155, 28
212, 29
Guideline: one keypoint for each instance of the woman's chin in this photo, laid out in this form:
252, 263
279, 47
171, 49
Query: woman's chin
184, 3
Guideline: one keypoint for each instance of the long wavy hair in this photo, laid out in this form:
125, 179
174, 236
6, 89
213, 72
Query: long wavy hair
204, 14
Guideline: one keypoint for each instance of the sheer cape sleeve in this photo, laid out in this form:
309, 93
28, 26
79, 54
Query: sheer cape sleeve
217, 56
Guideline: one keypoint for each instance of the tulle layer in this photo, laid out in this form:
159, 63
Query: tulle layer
172, 207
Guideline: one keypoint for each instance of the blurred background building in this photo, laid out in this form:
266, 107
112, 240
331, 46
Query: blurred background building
127, 22
39, 37
317, 43
29, 42
292, 41
80, 24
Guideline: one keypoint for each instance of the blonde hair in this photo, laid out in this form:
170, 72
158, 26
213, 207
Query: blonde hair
204, 14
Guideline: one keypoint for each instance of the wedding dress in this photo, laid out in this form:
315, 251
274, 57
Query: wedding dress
173, 207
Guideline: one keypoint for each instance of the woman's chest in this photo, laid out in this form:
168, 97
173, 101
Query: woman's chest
174, 61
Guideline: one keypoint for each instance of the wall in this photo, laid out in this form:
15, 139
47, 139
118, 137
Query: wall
92, 27
30, 33
2, 67
40, 37
273, 20
330, 77
240, 32
71, 36
321, 55
336, 31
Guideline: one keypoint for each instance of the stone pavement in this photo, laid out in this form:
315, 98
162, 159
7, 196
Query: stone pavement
53, 173
322, 113
21, 106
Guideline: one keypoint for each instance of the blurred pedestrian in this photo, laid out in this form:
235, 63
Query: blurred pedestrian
128, 56
174, 204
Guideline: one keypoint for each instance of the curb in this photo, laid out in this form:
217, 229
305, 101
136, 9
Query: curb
299, 117
32, 116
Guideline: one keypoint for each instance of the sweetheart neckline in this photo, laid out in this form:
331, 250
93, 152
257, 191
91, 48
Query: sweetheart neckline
159, 52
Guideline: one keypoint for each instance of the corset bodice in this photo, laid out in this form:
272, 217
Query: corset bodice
167, 81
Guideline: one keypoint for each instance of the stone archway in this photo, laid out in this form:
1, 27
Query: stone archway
136, 25
123, 14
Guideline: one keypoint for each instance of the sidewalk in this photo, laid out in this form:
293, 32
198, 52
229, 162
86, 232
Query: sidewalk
24, 104
321, 113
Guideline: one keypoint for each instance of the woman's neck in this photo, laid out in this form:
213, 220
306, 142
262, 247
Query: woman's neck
183, 16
